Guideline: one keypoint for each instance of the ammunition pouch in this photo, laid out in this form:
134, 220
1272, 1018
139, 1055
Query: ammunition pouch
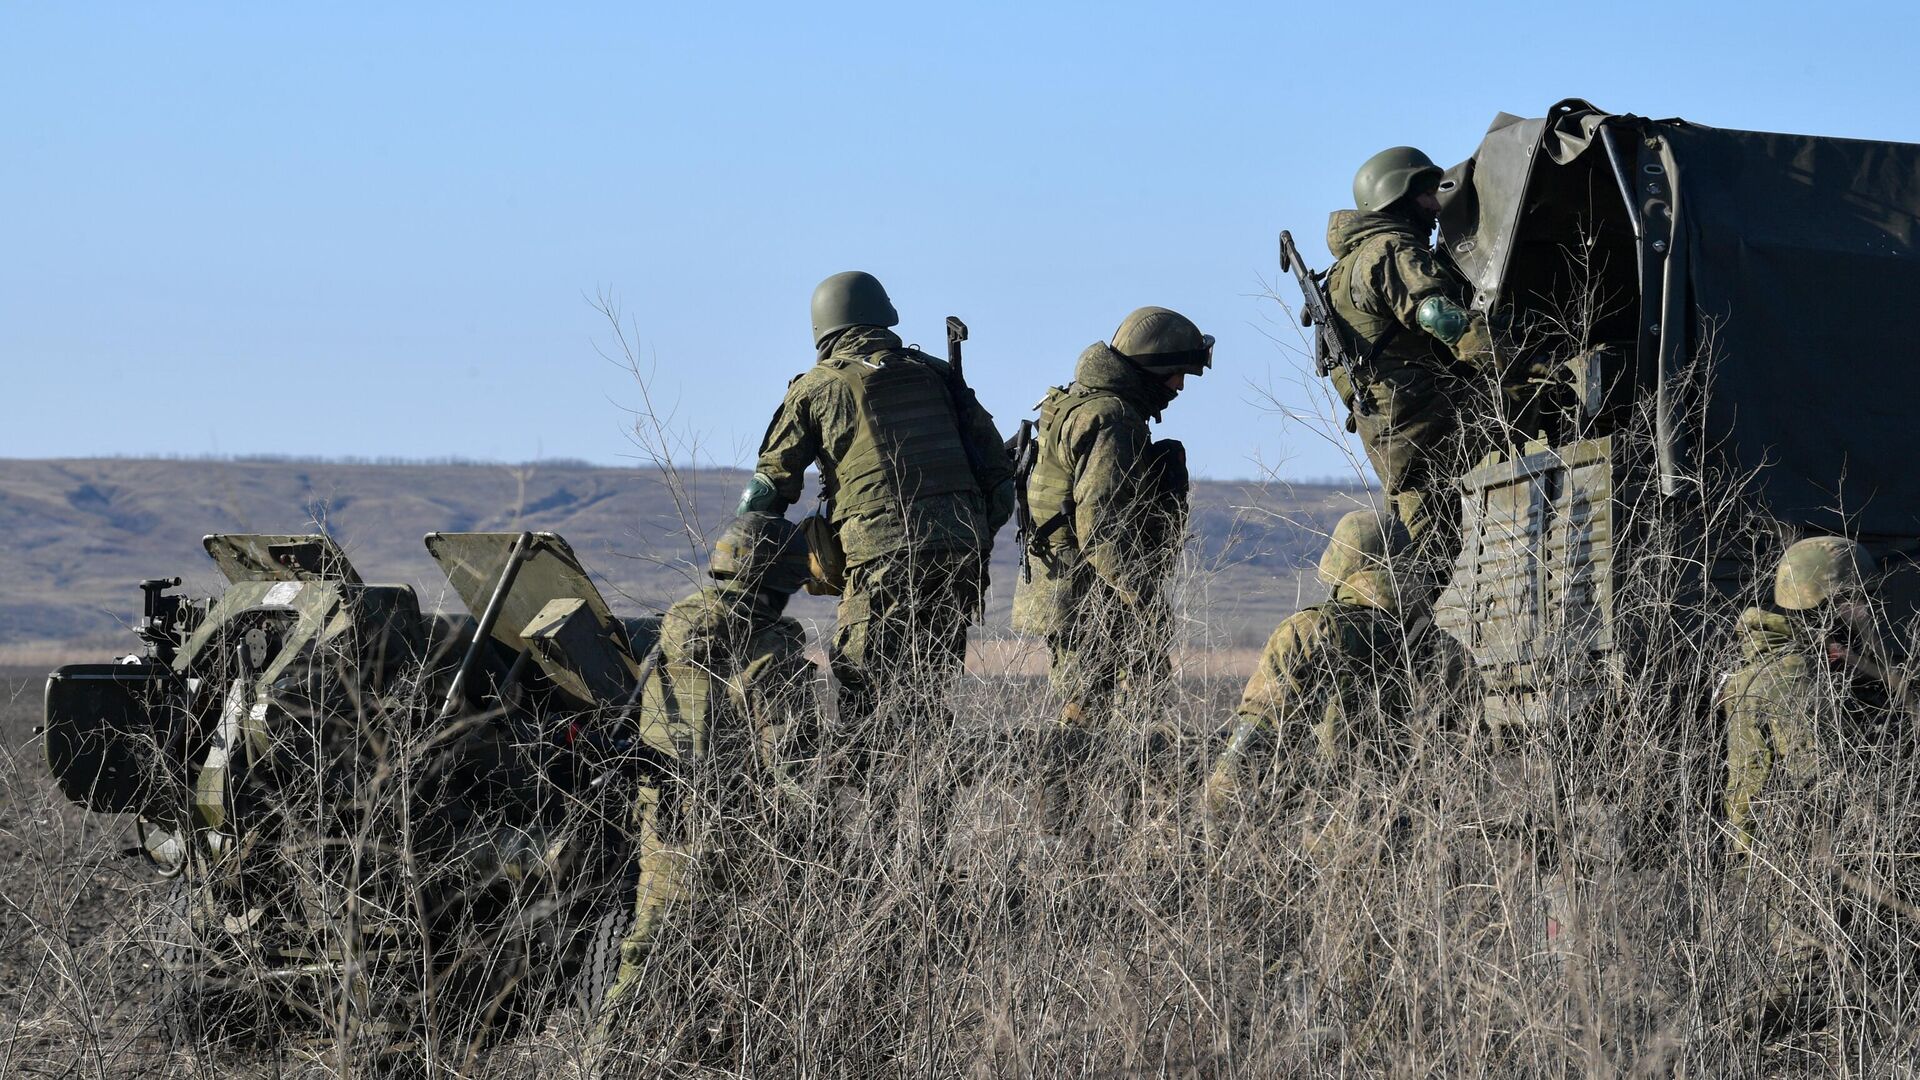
826, 559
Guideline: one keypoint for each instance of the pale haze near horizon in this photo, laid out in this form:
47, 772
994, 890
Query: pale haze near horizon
380, 232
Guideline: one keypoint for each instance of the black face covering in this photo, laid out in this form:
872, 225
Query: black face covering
1422, 219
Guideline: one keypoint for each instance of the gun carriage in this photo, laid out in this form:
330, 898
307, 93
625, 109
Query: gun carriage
411, 823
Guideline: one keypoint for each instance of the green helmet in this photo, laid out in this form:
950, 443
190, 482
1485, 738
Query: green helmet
1163, 342
1388, 176
1364, 541
851, 298
760, 550
1819, 569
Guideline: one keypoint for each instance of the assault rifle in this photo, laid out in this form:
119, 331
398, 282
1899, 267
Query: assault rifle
1330, 350
1024, 449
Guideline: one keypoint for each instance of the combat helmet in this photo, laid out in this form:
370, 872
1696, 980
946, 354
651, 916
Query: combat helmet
1163, 342
1365, 552
1821, 569
850, 298
760, 550
1390, 175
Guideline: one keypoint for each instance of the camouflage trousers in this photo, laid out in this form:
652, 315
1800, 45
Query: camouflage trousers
1420, 444
664, 889
1107, 658
898, 644
1110, 665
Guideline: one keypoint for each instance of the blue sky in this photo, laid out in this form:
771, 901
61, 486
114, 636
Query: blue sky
379, 230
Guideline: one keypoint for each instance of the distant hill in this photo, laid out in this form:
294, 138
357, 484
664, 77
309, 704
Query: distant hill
77, 535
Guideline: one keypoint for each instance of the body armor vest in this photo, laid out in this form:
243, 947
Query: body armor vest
1165, 482
906, 444
1050, 488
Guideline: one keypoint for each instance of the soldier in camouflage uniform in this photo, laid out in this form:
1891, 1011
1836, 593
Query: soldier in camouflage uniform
1109, 506
1357, 686
1363, 676
729, 703
1426, 408
1815, 749
917, 480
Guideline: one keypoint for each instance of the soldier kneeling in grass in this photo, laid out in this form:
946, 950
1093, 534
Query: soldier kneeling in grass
730, 705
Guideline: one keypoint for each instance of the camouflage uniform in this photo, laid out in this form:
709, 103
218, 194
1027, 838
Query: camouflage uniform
919, 483
1092, 584
1358, 685
1428, 405
1331, 676
730, 703
1814, 749
1362, 677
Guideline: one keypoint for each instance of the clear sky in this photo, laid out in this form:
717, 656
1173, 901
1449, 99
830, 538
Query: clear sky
378, 230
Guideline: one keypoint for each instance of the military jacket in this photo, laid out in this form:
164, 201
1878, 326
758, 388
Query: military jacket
906, 462
1793, 719
1108, 523
1382, 274
1344, 677
732, 683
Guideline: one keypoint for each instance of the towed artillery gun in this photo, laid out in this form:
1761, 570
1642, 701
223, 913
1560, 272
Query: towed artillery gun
410, 824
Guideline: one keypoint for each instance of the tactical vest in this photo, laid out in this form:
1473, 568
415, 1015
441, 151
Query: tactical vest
906, 442
1163, 474
1050, 487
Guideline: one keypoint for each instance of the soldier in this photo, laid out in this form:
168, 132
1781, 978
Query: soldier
729, 704
1361, 680
916, 482
1812, 729
1108, 504
1346, 679
1430, 355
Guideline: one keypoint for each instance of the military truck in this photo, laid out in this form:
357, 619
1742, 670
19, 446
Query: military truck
1722, 316
408, 826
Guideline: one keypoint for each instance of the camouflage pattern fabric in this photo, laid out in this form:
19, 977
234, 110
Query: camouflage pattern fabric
732, 703
1345, 680
898, 643
1813, 758
1424, 429
820, 422
1095, 582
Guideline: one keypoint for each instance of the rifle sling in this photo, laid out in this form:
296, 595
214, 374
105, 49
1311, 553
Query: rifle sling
1373, 350
1049, 527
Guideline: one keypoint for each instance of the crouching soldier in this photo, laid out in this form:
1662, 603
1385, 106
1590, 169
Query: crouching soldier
1816, 749
1364, 676
729, 703
1347, 695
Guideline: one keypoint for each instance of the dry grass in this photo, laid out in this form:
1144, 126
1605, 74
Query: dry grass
1556, 902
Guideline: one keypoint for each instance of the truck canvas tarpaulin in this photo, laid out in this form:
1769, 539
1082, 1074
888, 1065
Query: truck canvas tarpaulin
1789, 262
1736, 306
